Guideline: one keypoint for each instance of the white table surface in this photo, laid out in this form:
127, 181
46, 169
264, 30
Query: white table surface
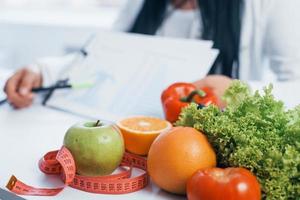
27, 134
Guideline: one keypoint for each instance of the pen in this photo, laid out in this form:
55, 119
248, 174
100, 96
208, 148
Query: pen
44, 89
3, 101
55, 87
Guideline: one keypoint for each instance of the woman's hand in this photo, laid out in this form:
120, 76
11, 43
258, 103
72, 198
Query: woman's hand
218, 83
18, 87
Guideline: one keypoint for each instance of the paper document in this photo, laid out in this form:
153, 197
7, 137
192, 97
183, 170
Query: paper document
129, 72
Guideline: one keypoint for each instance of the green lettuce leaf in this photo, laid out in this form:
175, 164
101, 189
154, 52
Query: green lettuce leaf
256, 132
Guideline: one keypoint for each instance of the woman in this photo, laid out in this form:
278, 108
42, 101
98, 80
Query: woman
248, 33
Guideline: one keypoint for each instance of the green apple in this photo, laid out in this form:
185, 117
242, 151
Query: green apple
97, 148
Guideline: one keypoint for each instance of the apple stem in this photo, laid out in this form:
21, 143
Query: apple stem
98, 123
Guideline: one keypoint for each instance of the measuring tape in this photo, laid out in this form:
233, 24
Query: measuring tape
62, 162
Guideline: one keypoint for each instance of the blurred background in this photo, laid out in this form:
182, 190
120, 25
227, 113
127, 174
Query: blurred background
30, 29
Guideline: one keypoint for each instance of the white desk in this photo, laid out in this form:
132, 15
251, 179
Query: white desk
27, 134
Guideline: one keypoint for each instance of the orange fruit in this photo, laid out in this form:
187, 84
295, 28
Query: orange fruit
176, 155
139, 132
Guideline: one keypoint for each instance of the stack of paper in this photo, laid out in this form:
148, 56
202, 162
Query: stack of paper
129, 73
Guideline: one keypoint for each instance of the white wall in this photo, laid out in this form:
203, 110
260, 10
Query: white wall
21, 44
29, 33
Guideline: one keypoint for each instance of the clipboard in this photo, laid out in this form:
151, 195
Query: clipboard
129, 72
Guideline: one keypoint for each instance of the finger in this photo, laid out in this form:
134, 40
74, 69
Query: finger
19, 101
13, 82
11, 87
22, 104
27, 82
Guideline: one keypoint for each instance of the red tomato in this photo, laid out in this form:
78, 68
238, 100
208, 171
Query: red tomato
223, 184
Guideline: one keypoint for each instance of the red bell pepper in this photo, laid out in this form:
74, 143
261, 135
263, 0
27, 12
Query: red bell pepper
179, 95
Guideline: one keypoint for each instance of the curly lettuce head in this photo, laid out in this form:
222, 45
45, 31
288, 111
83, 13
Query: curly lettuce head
256, 132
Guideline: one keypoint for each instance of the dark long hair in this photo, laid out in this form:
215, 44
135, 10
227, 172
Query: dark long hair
221, 22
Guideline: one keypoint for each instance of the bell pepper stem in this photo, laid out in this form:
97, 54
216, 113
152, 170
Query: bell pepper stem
191, 96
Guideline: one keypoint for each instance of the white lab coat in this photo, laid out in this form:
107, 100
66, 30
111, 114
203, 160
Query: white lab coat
270, 36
